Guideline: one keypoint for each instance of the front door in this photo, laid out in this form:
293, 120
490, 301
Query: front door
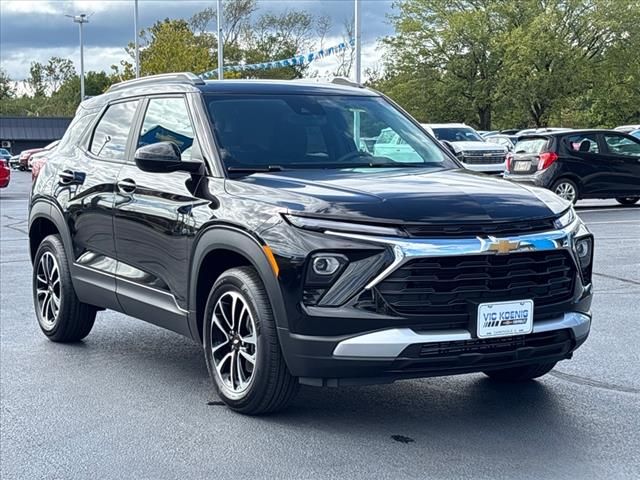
153, 220
623, 153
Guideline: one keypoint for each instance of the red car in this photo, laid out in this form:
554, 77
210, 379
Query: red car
5, 173
25, 155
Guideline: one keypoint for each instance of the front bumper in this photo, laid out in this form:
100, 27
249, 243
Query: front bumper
387, 355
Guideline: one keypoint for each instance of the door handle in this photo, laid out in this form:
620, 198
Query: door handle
126, 186
69, 177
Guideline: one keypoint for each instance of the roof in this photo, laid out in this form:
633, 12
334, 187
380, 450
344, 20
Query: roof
446, 125
33, 128
559, 133
282, 87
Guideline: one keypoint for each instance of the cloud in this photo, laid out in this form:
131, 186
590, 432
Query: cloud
36, 30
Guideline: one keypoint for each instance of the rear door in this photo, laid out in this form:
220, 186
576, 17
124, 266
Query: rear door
85, 191
153, 220
581, 158
622, 152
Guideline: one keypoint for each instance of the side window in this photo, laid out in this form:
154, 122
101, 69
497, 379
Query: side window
75, 132
619, 145
110, 136
167, 120
582, 143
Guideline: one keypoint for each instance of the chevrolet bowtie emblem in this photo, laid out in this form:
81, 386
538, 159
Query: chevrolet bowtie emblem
502, 246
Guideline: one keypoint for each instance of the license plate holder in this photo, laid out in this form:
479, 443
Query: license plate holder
521, 166
504, 319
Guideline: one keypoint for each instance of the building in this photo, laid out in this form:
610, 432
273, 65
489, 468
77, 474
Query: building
22, 133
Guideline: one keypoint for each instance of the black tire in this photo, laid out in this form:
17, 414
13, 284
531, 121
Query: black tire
521, 374
73, 319
564, 183
627, 200
271, 387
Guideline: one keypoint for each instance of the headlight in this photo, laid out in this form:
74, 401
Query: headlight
583, 247
566, 219
322, 225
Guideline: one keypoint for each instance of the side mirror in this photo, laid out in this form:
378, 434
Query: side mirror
449, 147
164, 157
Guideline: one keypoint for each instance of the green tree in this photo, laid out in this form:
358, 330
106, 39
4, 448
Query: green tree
6, 86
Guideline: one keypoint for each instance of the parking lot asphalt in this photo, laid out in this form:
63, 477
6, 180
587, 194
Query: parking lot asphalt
134, 401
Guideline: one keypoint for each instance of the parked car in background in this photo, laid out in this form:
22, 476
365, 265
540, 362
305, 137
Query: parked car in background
471, 149
390, 144
5, 173
579, 164
5, 154
487, 133
508, 141
529, 131
627, 128
25, 155
14, 162
41, 154
635, 133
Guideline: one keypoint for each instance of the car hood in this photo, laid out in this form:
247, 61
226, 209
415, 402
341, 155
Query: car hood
400, 195
469, 146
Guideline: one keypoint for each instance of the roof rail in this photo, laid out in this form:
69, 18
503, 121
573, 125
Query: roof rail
181, 77
345, 81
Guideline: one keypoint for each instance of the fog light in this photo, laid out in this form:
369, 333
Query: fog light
326, 265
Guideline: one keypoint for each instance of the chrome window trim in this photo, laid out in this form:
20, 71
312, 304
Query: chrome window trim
409, 249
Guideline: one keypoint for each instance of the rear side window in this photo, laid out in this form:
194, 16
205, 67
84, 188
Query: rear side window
167, 120
531, 145
75, 132
619, 145
582, 143
110, 136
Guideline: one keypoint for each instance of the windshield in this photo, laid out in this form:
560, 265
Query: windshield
4, 152
457, 134
318, 131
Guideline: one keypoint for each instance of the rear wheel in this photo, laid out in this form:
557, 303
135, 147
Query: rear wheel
61, 316
627, 200
241, 345
521, 374
566, 189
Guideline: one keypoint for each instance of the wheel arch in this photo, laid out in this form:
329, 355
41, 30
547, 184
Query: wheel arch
46, 219
574, 178
218, 249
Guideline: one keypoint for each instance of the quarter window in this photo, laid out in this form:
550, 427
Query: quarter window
167, 120
110, 136
619, 145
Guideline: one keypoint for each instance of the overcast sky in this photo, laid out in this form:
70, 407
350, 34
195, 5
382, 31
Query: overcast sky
36, 30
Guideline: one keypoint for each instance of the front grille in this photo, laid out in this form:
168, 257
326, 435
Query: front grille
479, 158
483, 354
448, 288
480, 229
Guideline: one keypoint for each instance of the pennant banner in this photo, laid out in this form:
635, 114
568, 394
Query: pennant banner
287, 62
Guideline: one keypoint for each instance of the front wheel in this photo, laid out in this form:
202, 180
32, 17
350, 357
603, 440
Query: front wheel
566, 189
520, 374
627, 200
241, 345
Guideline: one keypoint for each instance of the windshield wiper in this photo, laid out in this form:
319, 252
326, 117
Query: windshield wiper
256, 169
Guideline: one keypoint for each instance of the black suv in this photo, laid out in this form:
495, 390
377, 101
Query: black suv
579, 164
250, 216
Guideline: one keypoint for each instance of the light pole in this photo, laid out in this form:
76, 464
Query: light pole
80, 20
356, 18
135, 27
220, 46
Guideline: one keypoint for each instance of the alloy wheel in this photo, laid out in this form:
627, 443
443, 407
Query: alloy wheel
566, 190
233, 343
48, 290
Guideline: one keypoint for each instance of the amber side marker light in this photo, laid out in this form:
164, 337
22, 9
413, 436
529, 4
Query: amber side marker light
272, 260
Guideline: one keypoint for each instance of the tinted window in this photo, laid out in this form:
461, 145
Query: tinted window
457, 134
110, 136
582, 143
622, 145
167, 120
317, 131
